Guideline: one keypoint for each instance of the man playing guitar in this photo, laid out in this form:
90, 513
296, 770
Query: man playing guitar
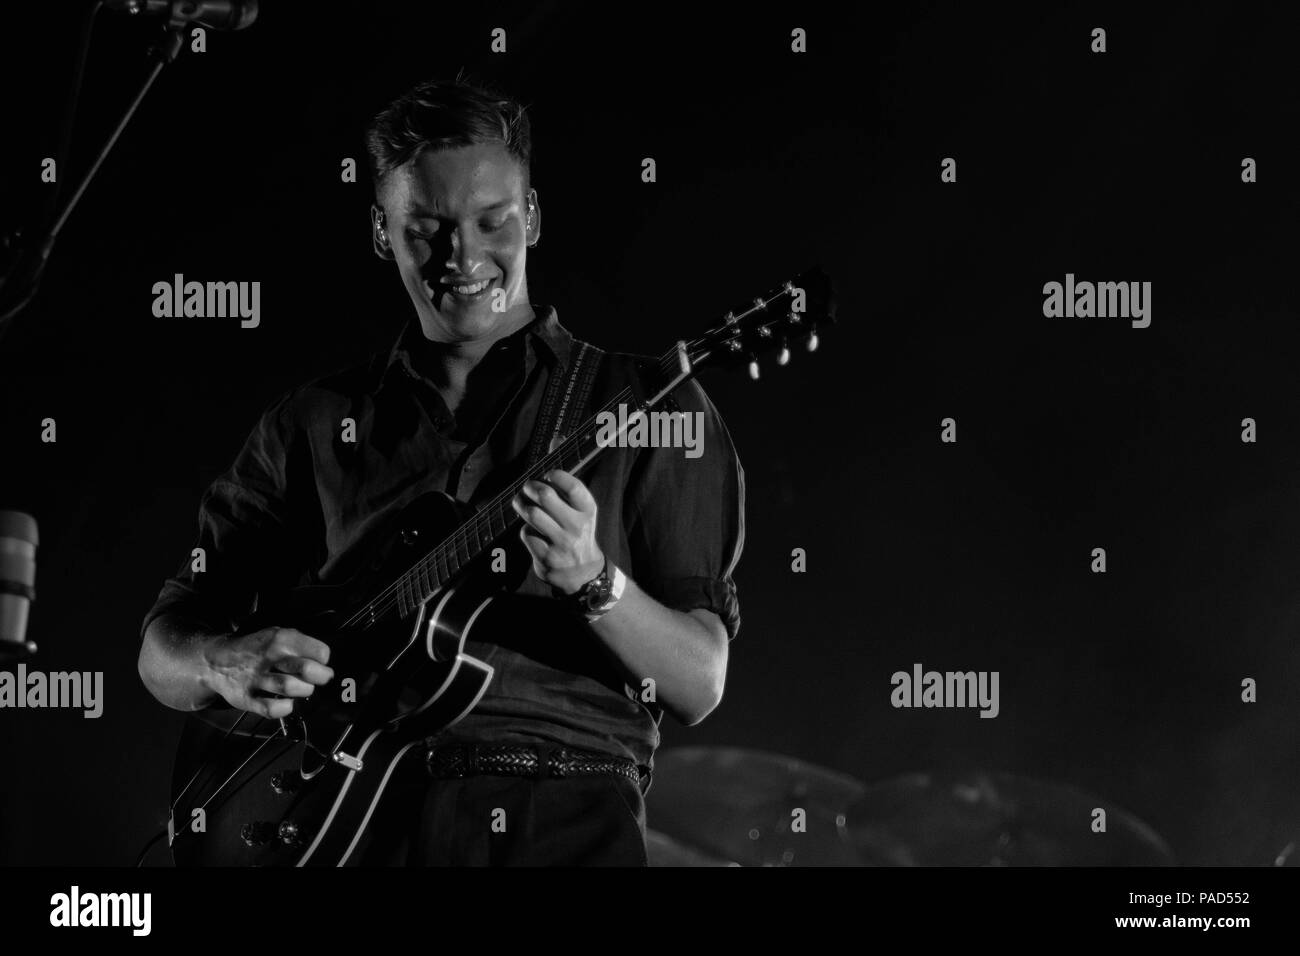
620, 608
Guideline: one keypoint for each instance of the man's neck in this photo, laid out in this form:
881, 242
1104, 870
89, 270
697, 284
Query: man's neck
449, 364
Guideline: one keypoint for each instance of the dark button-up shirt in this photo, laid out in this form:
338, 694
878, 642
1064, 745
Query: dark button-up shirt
299, 500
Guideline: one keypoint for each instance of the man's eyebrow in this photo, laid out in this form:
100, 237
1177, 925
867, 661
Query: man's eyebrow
419, 212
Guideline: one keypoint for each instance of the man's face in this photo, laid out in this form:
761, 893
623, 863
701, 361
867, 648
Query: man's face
453, 219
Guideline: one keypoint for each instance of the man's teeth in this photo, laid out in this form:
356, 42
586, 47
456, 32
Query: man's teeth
471, 289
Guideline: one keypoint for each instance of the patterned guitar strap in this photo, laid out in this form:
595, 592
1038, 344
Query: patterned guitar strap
564, 400
571, 392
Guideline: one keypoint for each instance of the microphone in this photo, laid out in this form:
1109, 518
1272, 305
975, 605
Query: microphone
215, 14
17, 581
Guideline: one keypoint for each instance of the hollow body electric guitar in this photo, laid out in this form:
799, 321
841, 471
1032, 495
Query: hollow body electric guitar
250, 791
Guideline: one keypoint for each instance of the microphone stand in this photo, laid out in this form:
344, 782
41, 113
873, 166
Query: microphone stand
24, 270
22, 273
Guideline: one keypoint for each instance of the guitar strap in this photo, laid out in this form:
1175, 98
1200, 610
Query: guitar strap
564, 400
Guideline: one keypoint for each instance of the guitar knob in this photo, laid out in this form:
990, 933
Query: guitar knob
410, 536
812, 340
288, 833
284, 782
753, 368
783, 356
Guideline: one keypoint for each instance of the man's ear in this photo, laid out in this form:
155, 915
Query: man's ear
533, 219
379, 233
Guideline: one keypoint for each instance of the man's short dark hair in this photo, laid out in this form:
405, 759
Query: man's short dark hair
446, 114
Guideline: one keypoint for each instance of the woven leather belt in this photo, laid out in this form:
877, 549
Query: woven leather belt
468, 760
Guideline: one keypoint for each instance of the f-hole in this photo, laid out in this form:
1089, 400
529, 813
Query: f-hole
312, 761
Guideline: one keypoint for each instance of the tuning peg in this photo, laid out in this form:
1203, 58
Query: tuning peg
753, 367
812, 338
783, 356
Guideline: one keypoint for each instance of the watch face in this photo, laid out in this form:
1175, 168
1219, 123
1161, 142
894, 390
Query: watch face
598, 593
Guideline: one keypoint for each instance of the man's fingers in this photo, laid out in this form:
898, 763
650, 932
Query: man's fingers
300, 644
272, 707
537, 545
286, 685
553, 504
576, 494
308, 670
537, 518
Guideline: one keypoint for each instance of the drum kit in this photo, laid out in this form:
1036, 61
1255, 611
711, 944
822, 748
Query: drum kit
714, 806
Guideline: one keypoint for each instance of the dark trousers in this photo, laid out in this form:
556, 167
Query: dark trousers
590, 820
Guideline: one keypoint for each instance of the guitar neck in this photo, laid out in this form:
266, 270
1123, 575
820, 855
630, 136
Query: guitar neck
769, 321
479, 533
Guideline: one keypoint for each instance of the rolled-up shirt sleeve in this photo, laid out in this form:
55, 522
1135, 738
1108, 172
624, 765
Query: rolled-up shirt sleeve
685, 516
245, 539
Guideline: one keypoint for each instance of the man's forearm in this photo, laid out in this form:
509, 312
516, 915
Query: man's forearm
172, 661
685, 653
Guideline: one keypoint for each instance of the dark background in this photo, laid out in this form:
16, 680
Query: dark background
1073, 433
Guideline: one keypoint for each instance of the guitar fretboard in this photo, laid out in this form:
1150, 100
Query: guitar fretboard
472, 540
742, 334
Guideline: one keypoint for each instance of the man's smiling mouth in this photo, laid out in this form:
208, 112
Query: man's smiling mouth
467, 291
471, 289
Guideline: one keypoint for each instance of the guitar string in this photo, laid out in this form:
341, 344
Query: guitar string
390, 597
384, 602
665, 363
224, 737
218, 791
226, 783
461, 535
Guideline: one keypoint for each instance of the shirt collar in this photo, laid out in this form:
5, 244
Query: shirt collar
545, 330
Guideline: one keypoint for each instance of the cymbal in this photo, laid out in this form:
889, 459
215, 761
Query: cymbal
995, 819
753, 807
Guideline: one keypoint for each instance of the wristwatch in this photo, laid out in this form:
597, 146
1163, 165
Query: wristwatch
598, 595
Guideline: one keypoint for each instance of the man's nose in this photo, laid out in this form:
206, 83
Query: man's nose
464, 255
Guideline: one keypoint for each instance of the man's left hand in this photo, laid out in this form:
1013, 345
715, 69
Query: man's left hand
560, 530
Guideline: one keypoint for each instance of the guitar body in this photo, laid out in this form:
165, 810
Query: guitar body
300, 792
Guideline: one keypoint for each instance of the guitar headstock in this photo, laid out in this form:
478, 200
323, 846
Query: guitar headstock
791, 313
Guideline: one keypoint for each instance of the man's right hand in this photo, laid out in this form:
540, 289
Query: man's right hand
247, 671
